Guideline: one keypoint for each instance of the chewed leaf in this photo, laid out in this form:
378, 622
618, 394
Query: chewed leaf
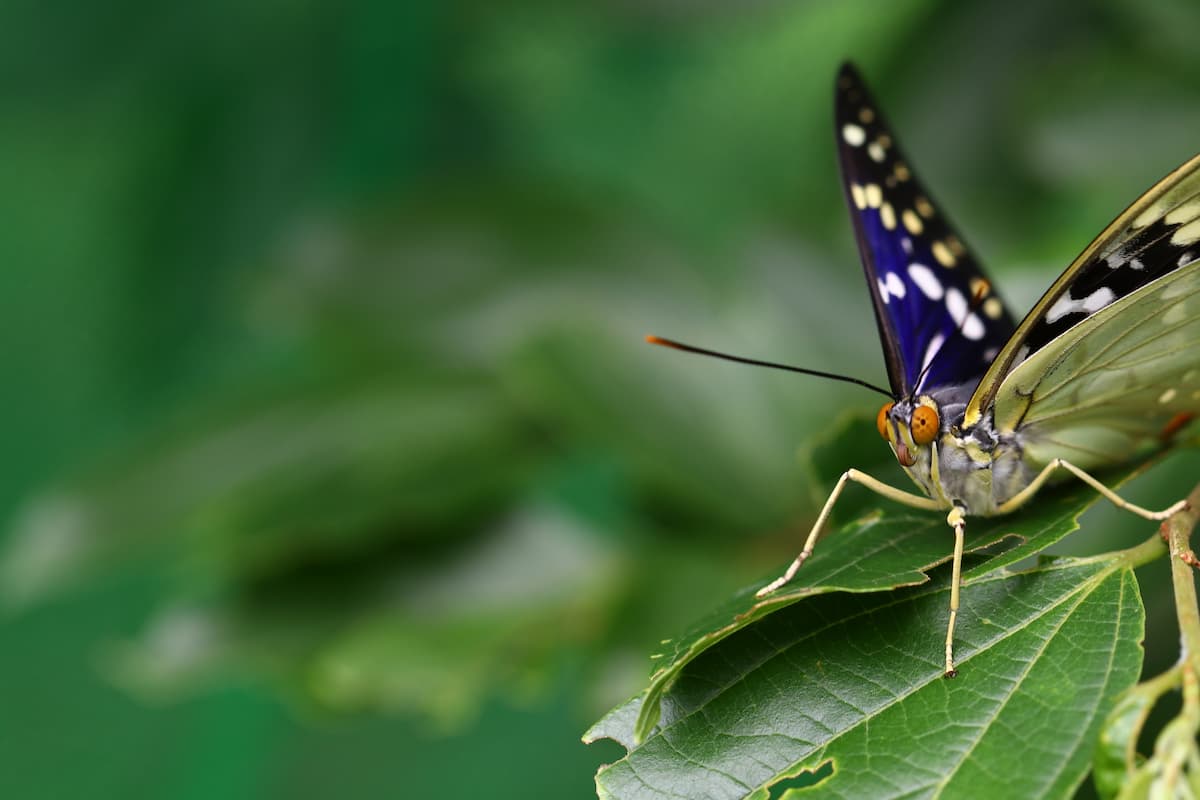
843, 684
881, 551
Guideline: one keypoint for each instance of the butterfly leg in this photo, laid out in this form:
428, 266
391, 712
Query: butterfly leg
879, 487
956, 520
1021, 497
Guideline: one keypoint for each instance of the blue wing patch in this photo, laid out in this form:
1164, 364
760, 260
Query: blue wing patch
940, 322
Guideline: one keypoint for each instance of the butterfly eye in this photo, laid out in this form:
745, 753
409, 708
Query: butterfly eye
924, 424
881, 421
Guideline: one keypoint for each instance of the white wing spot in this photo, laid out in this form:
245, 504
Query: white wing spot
1136, 263
875, 151
895, 285
906, 244
926, 281
990, 354
1167, 396
973, 328
883, 290
853, 135
1090, 304
956, 304
931, 350
1186, 258
969, 323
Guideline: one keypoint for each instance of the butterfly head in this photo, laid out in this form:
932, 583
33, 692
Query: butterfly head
910, 426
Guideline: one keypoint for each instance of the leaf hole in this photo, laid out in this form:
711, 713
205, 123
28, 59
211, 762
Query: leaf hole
808, 777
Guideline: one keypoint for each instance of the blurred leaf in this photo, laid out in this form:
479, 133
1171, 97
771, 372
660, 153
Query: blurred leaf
309, 474
431, 638
855, 681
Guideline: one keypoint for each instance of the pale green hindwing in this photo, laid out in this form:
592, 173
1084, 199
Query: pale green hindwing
1111, 384
1174, 202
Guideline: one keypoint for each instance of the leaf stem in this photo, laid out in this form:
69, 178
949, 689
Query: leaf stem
1177, 530
1176, 747
1141, 554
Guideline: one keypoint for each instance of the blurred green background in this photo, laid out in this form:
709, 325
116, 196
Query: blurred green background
335, 463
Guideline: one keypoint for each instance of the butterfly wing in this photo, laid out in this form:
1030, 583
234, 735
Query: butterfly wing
939, 321
1156, 237
1116, 381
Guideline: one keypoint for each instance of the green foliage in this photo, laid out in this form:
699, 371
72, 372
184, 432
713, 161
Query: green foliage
842, 668
323, 363
841, 671
855, 681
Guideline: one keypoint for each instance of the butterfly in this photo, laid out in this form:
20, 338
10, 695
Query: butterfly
983, 411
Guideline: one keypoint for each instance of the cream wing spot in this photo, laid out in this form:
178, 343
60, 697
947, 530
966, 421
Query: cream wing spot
888, 216
911, 221
858, 196
1187, 234
1184, 213
993, 307
1167, 396
1146, 217
943, 255
1176, 313
873, 194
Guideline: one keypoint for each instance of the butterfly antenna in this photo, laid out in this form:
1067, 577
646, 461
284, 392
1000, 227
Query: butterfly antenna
687, 348
981, 292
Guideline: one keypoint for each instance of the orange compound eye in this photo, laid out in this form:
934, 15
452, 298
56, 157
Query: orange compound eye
881, 421
924, 424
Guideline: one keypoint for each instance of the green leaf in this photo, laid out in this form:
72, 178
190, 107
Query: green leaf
882, 550
854, 681
1116, 758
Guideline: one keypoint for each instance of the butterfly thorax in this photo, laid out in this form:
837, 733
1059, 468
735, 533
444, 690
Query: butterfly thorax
976, 469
